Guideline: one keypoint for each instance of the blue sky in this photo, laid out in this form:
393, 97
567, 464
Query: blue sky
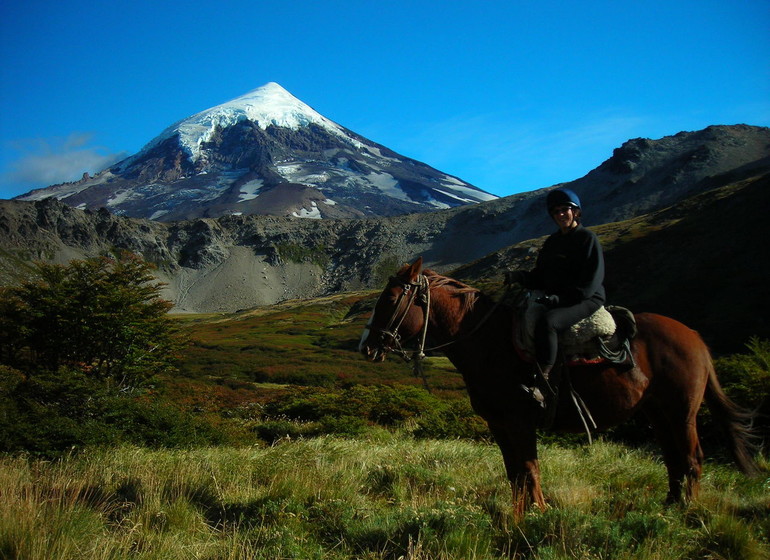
510, 96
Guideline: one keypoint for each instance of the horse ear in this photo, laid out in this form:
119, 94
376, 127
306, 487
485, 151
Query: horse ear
415, 269
410, 272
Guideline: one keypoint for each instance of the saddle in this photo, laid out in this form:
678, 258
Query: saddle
603, 337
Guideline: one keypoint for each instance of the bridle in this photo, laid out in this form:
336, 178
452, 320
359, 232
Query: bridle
390, 339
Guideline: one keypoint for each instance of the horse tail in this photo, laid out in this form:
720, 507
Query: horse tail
735, 422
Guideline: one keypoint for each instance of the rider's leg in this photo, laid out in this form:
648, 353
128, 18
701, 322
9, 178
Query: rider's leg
550, 325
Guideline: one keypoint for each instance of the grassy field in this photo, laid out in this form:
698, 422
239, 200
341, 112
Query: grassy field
277, 440
311, 343
381, 497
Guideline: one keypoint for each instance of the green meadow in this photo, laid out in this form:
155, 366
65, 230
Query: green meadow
275, 439
383, 496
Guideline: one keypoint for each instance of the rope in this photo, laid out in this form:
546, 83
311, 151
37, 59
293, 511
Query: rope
580, 405
422, 286
419, 355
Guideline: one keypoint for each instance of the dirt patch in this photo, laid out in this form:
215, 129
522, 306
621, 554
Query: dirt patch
241, 281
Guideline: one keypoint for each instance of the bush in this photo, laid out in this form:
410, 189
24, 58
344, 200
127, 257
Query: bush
746, 379
747, 376
348, 411
51, 413
102, 316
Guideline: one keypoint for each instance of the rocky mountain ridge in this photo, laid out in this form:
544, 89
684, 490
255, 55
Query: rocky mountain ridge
645, 174
238, 262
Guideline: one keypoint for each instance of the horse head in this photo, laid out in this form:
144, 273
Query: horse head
399, 314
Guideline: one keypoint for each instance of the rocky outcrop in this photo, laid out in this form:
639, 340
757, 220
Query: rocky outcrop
644, 175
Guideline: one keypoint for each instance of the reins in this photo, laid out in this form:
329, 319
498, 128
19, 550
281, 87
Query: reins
410, 292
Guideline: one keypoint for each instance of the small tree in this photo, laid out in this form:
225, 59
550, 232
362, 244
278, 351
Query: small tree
103, 316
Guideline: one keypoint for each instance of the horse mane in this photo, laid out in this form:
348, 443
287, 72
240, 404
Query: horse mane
455, 288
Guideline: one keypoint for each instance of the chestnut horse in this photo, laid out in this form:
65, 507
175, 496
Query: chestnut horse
673, 372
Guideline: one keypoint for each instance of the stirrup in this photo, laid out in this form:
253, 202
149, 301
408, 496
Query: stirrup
535, 394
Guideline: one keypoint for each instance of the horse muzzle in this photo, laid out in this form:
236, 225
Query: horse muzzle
376, 350
374, 353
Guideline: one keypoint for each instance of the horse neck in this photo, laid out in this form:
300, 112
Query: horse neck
475, 338
446, 315
457, 314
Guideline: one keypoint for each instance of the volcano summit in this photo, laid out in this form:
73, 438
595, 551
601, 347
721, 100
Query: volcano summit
265, 152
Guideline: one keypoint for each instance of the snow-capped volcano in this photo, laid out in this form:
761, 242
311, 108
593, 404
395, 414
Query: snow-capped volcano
265, 152
269, 105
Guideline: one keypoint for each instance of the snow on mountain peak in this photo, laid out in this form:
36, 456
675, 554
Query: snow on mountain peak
239, 157
268, 105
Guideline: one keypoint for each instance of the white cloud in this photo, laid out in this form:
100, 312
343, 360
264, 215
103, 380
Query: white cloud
47, 161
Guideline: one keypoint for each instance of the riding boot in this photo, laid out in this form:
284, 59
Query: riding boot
550, 380
542, 378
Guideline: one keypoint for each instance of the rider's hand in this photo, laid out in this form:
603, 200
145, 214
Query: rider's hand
549, 301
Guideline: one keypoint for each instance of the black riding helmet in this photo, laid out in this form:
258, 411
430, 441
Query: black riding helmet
562, 197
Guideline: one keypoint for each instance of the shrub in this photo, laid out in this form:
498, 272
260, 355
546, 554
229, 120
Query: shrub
300, 253
51, 413
348, 411
747, 376
746, 379
102, 316
275, 430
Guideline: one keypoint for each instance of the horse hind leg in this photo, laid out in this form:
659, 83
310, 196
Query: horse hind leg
694, 463
680, 362
682, 453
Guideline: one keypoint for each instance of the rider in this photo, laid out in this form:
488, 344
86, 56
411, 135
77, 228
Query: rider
569, 270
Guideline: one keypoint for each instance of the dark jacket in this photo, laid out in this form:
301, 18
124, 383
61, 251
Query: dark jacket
570, 266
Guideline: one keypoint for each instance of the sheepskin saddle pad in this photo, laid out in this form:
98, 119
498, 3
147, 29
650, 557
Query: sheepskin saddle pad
578, 343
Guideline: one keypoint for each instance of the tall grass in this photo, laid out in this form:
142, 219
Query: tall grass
379, 498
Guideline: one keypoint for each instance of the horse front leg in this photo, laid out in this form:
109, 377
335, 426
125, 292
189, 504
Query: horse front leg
518, 446
526, 489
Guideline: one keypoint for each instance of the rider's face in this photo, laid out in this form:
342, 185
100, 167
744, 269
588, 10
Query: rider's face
564, 216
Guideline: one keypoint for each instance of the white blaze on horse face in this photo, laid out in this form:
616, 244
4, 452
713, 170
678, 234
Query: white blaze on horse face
365, 334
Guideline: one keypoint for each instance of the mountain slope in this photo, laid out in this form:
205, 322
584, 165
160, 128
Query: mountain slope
644, 174
238, 262
265, 152
702, 261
